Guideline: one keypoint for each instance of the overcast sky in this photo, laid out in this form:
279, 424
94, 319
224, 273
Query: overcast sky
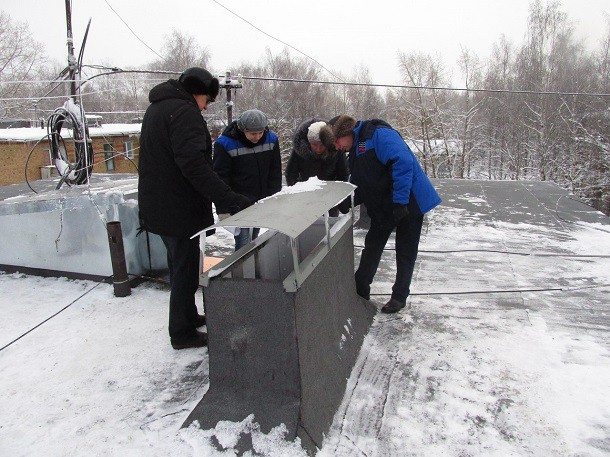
339, 35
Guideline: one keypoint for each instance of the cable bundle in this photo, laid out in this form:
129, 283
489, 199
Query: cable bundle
79, 171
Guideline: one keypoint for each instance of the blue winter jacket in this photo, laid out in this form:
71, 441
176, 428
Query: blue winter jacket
387, 172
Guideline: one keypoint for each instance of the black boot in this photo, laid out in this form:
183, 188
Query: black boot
200, 321
363, 291
393, 306
198, 340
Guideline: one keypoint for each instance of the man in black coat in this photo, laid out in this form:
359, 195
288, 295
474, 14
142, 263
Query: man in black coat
177, 187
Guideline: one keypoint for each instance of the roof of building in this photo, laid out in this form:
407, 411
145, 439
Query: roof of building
504, 349
26, 134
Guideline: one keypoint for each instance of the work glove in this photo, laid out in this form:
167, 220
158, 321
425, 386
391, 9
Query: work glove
400, 212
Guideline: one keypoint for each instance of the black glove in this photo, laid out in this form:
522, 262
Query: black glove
239, 202
400, 212
345, 205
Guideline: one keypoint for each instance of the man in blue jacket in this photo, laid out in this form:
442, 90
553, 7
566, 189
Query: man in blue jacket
396, 192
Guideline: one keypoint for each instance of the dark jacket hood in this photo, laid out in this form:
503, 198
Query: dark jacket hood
301, 146
232, 131
169, 90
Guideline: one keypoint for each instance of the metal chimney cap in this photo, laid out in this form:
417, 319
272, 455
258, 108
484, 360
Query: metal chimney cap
292, 210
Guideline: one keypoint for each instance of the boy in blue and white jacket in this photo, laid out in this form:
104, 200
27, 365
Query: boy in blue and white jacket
247, 158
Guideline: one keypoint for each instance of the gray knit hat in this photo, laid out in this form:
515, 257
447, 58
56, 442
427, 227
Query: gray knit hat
252, 120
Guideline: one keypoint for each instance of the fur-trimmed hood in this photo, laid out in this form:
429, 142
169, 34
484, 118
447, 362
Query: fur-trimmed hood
301, 145
343, 125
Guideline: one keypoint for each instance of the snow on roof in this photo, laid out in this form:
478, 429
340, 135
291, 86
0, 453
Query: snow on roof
505, 350
35, 133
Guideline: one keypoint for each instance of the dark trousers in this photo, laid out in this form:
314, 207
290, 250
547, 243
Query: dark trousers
245, 236
183, 261
407, 244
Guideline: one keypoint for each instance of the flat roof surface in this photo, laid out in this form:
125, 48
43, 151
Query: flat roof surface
504, 351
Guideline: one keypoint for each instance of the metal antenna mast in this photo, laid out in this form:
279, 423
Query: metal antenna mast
72, 67
76, 172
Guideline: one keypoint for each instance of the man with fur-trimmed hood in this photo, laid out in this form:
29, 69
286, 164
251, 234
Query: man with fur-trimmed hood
314, 154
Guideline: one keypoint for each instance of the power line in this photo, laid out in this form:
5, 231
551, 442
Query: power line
276, 39
391, 86
130, 29
340, 83
117, 112
37, 99
406, 86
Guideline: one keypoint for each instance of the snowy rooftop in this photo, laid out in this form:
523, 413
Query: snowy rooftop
36, 133
505, 350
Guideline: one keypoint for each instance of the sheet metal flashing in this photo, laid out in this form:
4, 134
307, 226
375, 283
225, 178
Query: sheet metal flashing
103, 192
63, 231
291, 211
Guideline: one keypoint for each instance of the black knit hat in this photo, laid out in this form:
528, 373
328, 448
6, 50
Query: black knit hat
198, 81
343, 126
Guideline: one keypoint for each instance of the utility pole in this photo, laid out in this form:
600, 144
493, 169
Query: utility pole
230, 84
79, 171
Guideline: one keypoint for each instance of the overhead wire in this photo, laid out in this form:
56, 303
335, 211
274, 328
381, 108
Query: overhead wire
410, 86
276, 39
38, 99
131, 30
116, 70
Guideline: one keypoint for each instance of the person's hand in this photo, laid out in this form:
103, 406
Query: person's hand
345, 205
240, 202
400, 212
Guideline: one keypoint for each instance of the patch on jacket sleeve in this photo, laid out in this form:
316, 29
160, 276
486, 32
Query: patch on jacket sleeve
361, 147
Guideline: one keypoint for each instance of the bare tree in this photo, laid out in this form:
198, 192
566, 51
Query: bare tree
427, 112
21, 59
537, 67
362, 102
469, 125
181, 51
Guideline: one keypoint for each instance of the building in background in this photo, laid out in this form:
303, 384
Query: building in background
115, 147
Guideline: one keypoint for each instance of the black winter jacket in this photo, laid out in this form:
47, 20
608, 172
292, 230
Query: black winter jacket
177, 185
303, 163
252, 169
